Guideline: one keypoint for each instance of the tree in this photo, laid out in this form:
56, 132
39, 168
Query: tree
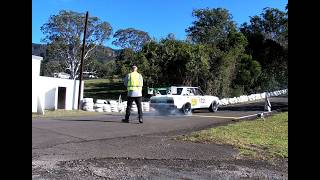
48, 68
211, 25
152, 53
171, 36
267, 36
272, 24
64, 33
173, 62
123, 61
249, 71
130, 38
198, 66
102, 69
215, 29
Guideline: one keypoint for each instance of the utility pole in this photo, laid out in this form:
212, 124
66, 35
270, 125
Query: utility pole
82, 56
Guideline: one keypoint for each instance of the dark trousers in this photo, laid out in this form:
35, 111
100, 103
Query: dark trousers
129, 105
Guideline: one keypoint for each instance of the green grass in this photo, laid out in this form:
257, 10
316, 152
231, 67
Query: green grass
66, 113
104, 89
108, 89
94, 82
264, 139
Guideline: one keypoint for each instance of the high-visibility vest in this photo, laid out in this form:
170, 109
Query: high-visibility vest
134, 82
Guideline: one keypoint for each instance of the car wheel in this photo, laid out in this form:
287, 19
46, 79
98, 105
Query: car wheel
186, 109
213, 107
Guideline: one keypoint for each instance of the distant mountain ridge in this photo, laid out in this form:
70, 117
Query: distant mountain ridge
102, 53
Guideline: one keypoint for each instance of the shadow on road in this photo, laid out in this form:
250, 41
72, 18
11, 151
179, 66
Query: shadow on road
97, 120
89, 120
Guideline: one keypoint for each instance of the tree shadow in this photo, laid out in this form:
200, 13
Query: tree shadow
89, 120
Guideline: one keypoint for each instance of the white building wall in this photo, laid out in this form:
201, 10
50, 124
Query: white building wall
36, 61
45, 89
50, 86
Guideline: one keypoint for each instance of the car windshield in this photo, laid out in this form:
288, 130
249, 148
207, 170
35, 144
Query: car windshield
165, 92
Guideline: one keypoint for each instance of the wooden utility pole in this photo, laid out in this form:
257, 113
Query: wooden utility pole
82, 56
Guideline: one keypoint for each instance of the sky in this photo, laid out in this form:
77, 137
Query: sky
157, 17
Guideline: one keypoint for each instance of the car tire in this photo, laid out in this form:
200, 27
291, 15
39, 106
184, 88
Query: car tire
186, 109
213, 107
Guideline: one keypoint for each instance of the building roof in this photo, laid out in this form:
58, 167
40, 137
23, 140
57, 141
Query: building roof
37, 57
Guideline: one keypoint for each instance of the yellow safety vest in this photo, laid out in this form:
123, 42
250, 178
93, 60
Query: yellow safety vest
134, 82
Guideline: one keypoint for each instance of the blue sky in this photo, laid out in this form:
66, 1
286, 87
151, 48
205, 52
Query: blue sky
157, 17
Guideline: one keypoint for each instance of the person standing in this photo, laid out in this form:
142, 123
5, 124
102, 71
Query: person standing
134, 83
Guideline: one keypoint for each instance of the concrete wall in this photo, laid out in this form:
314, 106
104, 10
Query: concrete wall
49, 86
45, 89
36, 61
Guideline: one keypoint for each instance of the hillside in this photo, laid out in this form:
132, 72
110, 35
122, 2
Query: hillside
102, 53
39, 50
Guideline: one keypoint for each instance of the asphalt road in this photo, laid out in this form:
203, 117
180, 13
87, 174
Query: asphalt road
102, 147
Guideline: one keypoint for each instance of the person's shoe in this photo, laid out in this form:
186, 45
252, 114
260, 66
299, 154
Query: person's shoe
125, 120
140, 120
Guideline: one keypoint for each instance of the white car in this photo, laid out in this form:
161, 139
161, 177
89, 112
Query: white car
183, 98
61, 75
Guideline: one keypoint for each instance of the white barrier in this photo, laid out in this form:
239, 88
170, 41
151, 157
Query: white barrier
252, 97
102, 105
146, 106
87, 100
107, 108
114, 106
101, 101
87, 104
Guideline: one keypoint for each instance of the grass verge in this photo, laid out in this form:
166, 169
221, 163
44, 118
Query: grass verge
67, 113
264, 139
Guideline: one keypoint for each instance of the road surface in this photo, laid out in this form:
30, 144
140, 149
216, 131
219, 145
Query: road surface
102, 147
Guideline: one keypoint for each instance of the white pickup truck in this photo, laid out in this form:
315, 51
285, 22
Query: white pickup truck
183, 98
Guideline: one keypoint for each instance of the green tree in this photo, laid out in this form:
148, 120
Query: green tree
173, 62
267, 36
152, 52
211, 26
249, 71
130, 38
103, 69
171, 36
216, 29
198, 66
272, 24
48, 68
64, 32
124, 60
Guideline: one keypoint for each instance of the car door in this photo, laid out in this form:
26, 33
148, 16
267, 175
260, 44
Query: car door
193, 98
201, 98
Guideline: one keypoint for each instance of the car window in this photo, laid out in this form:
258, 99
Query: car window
190, 92
162, 92
179, 91
200, 92
196, 92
